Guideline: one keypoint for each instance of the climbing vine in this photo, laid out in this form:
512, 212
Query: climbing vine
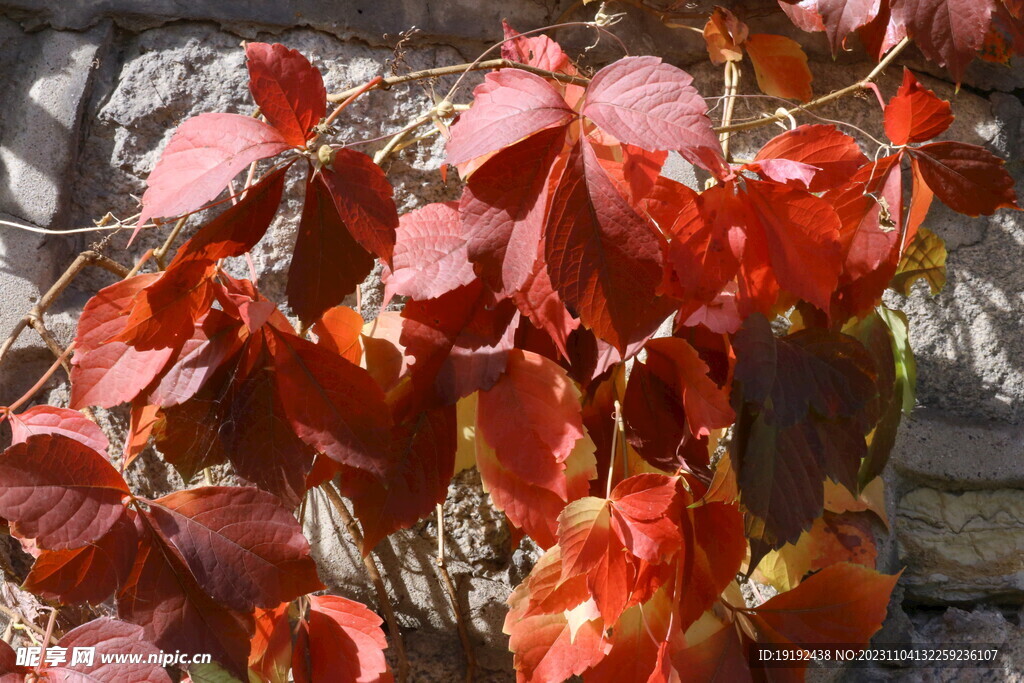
746, 438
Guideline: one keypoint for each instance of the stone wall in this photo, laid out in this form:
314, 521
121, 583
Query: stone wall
94, 88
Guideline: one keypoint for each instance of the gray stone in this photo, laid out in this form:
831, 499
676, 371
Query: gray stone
946, 452
962, 547
50, 72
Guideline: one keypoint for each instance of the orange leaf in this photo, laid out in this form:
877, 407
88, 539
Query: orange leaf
780, 66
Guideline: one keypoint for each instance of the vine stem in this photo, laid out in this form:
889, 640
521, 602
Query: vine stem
41, 381
385, 83
732, 77
16, 617
453, 597
375, 577
366, 87
824, 99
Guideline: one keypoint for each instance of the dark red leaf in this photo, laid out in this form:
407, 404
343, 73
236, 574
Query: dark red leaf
420, 466
806, 402
287, 89
503, 209
966, 178
333, 405
539, 301
244, 549
163, 598
121, 643
328, 263
240, 227
948, 32
59, 491
843, 17
364, 199
90, 573
604, 260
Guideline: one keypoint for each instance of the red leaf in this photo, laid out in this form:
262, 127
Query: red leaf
915, 114
867, 242
508, 106
843, 17
539, 301
204, 154
215, 340
948, 32
242, 546
287, 89
713, 550
328, 263
468, 318
590, 547
803, 240
539, 51
364, 199
111, 639
719, 658
835, 154
966, 178
53, 420
59, 491
503, 209
707, 404
529, 507
643, 509
90, 573
271, 653
345, 641
700, 252
544, 644
644, 102
333, 405
780, 66
106, 374
164, 314
604, 260
882, 33
430, 254
163, 598
420, 466
843, 603
240, 227
531, 417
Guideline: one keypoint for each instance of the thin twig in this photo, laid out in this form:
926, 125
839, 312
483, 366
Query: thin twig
16, 617
823, 100
386, 83
453, 598
85, 259
160, 252
731, 77
378, 582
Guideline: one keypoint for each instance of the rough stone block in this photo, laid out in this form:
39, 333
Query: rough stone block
45, 78
962, 546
